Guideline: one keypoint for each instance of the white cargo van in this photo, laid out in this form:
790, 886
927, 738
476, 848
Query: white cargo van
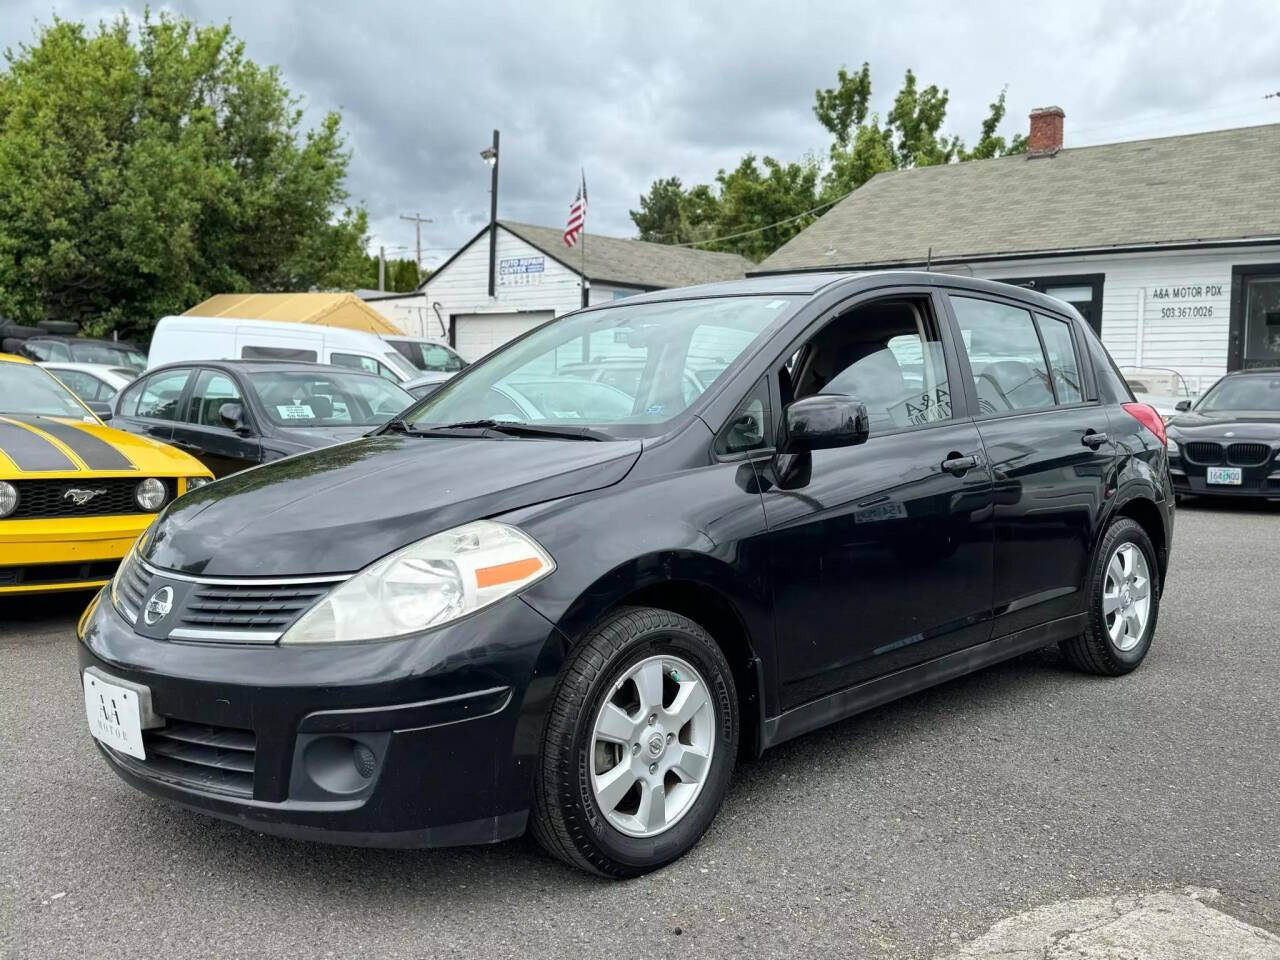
228, 338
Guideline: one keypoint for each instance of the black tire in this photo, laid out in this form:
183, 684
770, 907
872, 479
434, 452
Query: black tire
11, 344
16, 331
567, 820
1093, 651
61, 327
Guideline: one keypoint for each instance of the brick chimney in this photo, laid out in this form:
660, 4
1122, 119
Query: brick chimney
1045, 138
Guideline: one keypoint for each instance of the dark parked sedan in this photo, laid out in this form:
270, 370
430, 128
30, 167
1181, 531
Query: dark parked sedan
1226, 444
232, 414
578, 619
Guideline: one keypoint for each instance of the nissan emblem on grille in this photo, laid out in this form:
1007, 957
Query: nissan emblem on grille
80, 496
158, 606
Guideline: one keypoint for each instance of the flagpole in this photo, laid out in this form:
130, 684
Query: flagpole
586, 293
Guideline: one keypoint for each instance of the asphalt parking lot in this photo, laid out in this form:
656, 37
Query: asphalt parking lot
906, 832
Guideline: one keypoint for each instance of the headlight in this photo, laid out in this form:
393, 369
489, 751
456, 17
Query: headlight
1170, 444
426, 584
8, 498
195, 483
151, 494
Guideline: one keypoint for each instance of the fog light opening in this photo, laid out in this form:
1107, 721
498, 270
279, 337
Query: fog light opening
340, 765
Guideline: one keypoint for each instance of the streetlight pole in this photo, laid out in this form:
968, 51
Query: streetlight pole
491, 157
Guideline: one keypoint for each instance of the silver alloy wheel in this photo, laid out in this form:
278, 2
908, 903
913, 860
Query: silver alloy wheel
651, 746
1126, 596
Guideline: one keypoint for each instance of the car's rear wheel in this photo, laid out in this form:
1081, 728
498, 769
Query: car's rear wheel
639, 746
1124, 603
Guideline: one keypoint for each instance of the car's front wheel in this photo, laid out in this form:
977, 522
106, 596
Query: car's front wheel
639, 745
1124, 602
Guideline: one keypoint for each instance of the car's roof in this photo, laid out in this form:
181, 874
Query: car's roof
811, 284
1262, 371
85, 367
14, 358
259, 365
45, 335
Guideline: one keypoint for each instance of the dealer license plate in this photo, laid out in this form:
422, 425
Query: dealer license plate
114, 715
1227, 475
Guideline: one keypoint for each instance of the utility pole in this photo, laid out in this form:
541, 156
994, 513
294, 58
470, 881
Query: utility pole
418, 221
382, 268
490, 156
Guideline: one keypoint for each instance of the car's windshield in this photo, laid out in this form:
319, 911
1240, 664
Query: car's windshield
430, 356
327, 398
25, 388
1258, 392
563, 373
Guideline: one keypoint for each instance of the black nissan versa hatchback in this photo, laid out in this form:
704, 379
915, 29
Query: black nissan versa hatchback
574, 614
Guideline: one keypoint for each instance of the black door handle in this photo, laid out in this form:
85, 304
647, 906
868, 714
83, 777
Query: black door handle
1093, 439
959, 465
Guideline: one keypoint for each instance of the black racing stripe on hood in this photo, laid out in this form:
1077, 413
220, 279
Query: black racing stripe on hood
97, 454
30, 451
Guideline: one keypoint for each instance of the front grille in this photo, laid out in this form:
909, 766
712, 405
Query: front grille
51, 574
249, 606
203, 756
131, 586
1248, 454
1203, 451
111, 496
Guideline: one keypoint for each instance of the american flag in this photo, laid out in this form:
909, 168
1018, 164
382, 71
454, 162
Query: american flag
577, 215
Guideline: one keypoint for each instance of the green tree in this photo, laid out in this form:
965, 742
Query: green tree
772, 205
401, 275
142, 170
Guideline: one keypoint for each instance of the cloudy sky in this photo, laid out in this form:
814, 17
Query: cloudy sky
633, 92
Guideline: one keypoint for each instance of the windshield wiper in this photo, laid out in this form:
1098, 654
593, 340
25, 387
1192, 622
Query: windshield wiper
508, 428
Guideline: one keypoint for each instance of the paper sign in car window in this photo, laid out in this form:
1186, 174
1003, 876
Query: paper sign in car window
295, 411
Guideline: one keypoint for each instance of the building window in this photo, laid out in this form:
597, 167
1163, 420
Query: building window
1083, 291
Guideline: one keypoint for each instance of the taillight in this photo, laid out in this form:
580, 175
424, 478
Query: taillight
1147, 416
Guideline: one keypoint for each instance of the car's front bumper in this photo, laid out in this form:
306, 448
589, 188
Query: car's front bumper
1189, 479
64, 553
450, 722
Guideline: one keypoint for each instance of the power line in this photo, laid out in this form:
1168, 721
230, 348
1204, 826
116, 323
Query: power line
747, 233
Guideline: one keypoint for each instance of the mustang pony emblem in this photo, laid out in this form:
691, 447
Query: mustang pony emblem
80, 496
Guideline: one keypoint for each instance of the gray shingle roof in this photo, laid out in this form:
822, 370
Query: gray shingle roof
634, 262
1204, 186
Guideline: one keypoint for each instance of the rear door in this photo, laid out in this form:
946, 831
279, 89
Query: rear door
203, 433
1051, 458
151, 405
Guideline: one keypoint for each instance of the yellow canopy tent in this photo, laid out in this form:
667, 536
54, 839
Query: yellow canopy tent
327, 309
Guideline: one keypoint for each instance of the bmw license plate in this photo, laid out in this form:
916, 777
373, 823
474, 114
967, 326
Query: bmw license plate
1224, 475
114, 715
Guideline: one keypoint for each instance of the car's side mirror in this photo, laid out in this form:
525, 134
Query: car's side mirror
823, 421
102, 409
232, 415
1182, 406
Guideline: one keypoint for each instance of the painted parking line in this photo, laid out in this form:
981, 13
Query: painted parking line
1154, 926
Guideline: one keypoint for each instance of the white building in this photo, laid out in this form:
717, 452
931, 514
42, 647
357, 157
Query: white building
537, 277
1169, 247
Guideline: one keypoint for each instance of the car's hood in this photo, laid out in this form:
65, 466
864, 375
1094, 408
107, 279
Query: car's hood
338, 509
64, 445
1214, 425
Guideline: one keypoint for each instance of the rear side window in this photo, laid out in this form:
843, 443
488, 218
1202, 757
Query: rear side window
159, 395
277, 353
1010, 373
361, 362
1063, 369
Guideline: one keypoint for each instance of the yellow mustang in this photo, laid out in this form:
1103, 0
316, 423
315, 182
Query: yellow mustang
74, 493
